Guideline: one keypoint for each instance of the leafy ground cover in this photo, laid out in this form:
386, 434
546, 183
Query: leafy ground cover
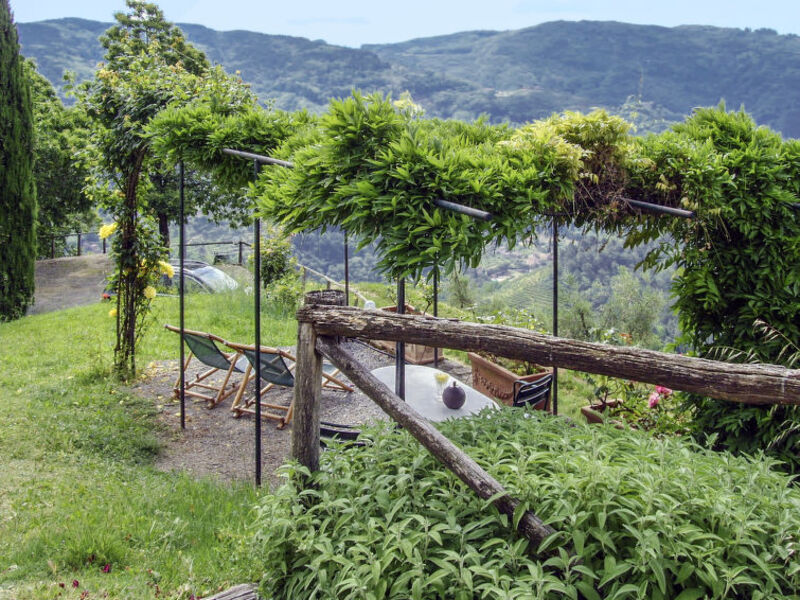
80, 502
648, 518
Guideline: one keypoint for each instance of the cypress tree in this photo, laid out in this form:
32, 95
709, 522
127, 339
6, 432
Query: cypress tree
17, 189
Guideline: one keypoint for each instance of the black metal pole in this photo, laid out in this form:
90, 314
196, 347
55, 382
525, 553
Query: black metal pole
257, 309
346, 272
658, 209
258, 158
181, 242
436, 307
464, 210
555, 310
400, 347
79, 243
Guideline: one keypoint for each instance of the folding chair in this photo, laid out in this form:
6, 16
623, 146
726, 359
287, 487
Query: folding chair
277, 368
534, 394
202, 347
335, 432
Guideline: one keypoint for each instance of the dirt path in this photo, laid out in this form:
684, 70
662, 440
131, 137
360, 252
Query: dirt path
215, 444
69, 281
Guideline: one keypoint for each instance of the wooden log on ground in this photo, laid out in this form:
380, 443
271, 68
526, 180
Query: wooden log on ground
245, 591
437, 444
746, 383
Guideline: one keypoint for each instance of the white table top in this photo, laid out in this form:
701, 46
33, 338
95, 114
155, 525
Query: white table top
422, 393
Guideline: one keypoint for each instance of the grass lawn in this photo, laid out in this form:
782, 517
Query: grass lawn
79, 499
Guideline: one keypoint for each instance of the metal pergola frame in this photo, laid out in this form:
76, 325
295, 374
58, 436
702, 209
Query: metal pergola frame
258, 160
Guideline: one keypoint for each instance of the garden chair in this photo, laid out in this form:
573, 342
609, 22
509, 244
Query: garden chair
533, 394
346, 434
277, 369
202, 346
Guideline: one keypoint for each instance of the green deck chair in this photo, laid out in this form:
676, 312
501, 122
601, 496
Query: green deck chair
277, 368
203, 347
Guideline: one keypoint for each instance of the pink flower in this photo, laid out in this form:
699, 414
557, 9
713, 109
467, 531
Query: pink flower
652, 401
663, 391
75, 583
107, 568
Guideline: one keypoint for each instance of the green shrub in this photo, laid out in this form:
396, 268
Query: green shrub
648, 518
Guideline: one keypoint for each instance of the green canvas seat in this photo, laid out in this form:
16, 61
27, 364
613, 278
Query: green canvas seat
277, 368
203, 347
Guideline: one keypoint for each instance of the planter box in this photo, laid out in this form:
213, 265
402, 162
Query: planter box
416, 354
496, 381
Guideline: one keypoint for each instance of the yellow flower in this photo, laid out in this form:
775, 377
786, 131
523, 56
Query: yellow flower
112, 312
167, 269
150, 292
107, 230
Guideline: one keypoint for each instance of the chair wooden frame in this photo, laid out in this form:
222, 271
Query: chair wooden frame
244, 405
201, 380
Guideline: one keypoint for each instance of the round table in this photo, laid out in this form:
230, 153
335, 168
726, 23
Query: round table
423, 396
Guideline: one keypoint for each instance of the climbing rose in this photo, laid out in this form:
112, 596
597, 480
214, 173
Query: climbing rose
107, 230
663, 391
652, 402
150, 292
166, 269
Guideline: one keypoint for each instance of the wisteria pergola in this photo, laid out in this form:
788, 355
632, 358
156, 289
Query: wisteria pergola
258, 160
431, 192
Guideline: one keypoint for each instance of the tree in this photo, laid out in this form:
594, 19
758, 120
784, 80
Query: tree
59, 139
148, 65
17, 187
149, 68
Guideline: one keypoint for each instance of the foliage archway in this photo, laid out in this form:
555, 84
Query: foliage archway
375, 170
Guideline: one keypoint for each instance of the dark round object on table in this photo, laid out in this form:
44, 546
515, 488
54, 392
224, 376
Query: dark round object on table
454, 396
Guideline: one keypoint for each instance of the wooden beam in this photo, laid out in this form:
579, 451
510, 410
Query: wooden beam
437, 444
244, 591
746, 383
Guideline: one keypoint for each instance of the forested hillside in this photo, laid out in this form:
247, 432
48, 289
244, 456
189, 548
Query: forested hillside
512, 76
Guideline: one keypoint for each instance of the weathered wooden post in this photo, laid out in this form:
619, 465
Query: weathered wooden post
308, 384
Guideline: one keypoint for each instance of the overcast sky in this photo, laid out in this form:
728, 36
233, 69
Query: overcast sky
356, 22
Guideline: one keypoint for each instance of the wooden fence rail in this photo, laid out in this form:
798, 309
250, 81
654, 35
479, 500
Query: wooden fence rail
746, 383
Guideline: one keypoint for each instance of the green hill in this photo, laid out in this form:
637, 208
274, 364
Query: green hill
512, 76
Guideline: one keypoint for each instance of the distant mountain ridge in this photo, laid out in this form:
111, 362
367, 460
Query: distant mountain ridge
514, 76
